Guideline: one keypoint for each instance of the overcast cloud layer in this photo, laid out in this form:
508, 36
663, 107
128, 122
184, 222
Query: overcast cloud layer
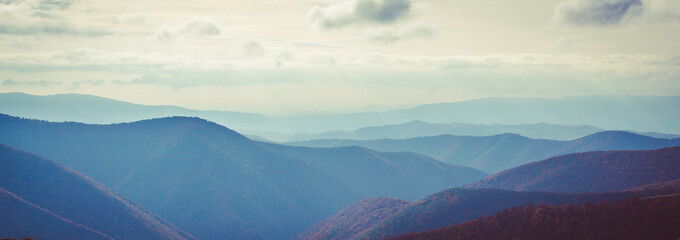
295, 56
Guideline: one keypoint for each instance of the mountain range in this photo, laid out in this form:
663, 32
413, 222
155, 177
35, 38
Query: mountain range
44, 200
422, 129
591, 172
499, 152
454, 206
657, 175
634, 219
259, 190
99, 110
642, 113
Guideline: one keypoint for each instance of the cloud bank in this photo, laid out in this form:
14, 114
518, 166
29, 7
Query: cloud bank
357, 11
192, 27
390, 35
20, 18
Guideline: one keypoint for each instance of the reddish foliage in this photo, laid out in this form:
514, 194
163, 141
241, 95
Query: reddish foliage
648, 219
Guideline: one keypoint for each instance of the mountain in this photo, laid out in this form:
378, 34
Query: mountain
422, 129
259, 190
499, 152
99, 110
634, 219
353, 219
19, 218
641, 113
591, 172
459, 205
398, 175
43, 199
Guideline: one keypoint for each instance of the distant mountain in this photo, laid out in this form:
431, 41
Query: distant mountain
44, 200
499, 152
99, 110
423, 129
398, 175
634, 219
641, 113
350, 221
19, 218
636, 113
459, 205
591, 172
259, 190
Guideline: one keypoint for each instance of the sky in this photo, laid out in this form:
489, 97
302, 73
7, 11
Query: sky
284, 57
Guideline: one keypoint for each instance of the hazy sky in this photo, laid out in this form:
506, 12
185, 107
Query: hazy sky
273, 56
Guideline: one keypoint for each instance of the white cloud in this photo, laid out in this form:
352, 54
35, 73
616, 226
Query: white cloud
356, 11
253, 50
597, 12
192, 27
389, 35
20, 18
133, 18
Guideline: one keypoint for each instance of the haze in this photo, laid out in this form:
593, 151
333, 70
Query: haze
284, 57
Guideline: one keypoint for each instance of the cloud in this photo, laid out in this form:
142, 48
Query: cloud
253, 50
55, 4
192, 27
43, 83
357, 11
133, 18
597, 12
20, 18
389, 35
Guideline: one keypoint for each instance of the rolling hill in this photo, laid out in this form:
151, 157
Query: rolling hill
499, 152
634, 219
353, 219
260, 190
422, 129
44, 200
591, 172
459, 205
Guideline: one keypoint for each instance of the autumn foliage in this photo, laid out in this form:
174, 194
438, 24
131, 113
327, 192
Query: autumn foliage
647, 219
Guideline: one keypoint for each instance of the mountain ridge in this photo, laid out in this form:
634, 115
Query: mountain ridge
591, 172
503, 151
158, 163
647, 218
75, 197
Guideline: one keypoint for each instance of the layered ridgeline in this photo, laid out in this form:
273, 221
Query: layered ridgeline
422, 129
592, 172
640, 173
449, 207
202, 176
634, 219
499, 152
43, 200
99, 110
642, 113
